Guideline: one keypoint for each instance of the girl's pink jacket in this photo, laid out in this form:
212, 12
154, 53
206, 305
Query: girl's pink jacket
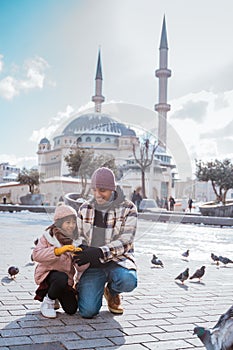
47, 261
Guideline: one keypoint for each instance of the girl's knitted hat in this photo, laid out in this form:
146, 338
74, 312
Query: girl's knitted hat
64, 210
103, 178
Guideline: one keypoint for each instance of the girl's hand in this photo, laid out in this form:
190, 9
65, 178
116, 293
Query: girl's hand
64, 249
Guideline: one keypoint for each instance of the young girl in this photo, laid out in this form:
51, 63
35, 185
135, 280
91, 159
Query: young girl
55, 270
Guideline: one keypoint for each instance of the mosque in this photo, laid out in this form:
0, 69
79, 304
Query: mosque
105, 135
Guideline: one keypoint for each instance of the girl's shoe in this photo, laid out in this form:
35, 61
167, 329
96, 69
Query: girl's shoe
47, 308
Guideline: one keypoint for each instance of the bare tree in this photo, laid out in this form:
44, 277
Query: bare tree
144, 159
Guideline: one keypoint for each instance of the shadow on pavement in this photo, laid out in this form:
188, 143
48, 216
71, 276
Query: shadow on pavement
34, 332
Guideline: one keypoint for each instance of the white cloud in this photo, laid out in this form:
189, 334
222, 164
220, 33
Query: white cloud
19, 162
203, 134
34, 77
8, 88
54, 124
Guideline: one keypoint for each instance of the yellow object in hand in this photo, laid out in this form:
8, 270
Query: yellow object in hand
78, 249
64, 249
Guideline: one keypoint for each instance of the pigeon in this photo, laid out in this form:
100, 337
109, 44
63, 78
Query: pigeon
183, 276
215, 258
186, 254
220, 337
199, 273
12, 271
156, 261
225, 260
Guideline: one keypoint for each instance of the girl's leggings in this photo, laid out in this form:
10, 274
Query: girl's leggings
59, 289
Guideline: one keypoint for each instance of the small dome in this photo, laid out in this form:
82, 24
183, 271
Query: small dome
97, 123
44, 140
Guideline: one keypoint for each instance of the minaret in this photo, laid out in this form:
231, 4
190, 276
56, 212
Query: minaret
98, 98
163, 73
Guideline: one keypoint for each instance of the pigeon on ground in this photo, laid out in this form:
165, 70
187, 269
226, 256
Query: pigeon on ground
12, 271
220, 337
225, 260
186, 254
199, 273
215, 258
156, 261
183, 276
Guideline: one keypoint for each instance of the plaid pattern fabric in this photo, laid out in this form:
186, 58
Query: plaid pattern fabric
119, 234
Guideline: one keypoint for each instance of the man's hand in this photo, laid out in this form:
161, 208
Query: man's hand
64, 248
88, 255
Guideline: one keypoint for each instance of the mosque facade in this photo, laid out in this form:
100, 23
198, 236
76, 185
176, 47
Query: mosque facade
105, 135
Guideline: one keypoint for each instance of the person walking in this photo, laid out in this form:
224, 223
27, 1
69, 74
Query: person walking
171, 203
136, 197
106, 225
55, 270
190, 204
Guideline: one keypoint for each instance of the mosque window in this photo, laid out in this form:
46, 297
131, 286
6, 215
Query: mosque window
98, 139
88, 139
107, 140
79, 139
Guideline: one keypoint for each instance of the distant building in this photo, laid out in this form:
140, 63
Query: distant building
8, 173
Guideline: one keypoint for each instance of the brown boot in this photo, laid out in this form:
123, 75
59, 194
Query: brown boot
114, 302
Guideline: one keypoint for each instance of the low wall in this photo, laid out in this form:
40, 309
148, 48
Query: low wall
183, 218
209, 209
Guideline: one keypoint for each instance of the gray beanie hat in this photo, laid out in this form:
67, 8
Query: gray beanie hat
103, 178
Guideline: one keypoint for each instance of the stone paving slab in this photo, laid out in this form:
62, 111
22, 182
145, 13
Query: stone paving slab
51, 346
160, 314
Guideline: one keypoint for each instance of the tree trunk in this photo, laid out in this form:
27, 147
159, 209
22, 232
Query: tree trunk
143, 184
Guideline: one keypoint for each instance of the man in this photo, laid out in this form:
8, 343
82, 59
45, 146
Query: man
107, 225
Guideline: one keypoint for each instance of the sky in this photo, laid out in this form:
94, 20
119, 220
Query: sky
48, 57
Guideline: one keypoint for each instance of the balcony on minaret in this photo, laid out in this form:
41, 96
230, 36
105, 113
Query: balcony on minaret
163, 73
98, 100
162, 107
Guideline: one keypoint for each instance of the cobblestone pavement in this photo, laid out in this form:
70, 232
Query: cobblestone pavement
159, 314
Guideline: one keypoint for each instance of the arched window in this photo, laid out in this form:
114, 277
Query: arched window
79, 139
88, 139
107, 140
98, 139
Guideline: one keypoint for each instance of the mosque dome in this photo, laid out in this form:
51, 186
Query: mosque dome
44, 141
97, 123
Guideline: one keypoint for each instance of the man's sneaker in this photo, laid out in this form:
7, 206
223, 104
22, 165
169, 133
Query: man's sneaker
56, 304
47, 308
114, 302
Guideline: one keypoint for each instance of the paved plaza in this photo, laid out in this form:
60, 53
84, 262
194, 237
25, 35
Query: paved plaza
160, 314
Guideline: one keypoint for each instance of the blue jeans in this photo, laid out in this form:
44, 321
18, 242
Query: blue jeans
91, 286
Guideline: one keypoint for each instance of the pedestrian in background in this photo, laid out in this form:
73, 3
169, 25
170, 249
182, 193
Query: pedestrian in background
137, 198
190, 204
171, 203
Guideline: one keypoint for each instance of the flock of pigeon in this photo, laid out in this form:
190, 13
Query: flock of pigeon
220, 337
